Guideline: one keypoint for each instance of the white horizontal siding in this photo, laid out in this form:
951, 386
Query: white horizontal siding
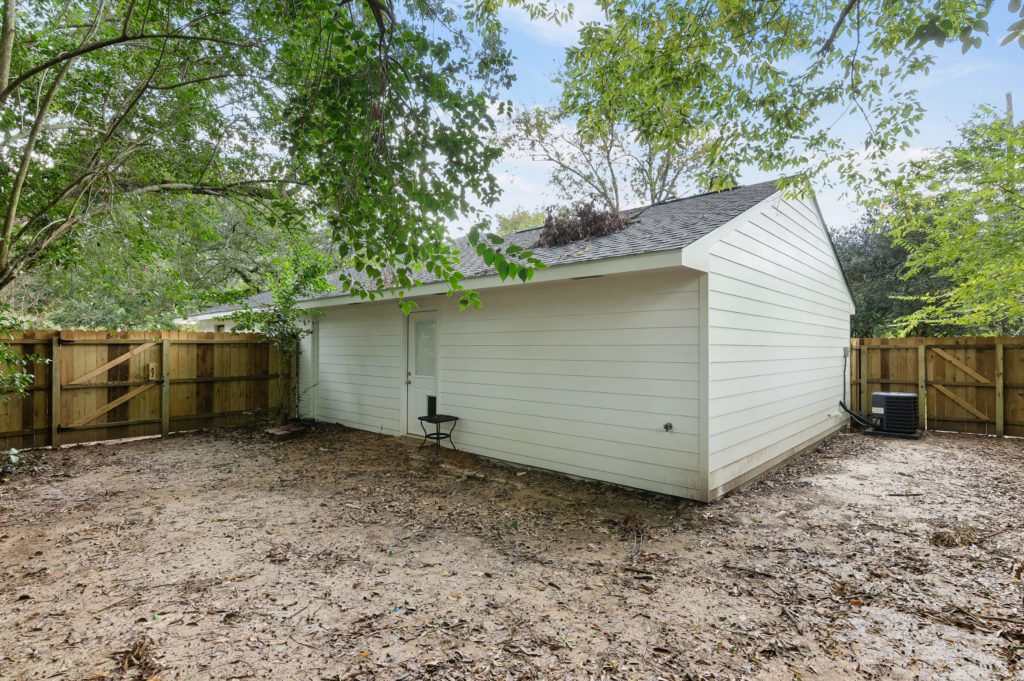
658, 336
580, 377
778, 320
573, 376
576, 353
624, 405
361, 367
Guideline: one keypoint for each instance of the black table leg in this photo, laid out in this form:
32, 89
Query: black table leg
439, 432
425, 436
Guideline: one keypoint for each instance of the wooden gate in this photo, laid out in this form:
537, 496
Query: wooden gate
103, 386
967, 385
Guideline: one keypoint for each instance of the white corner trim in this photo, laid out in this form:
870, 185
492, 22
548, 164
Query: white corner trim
704, 390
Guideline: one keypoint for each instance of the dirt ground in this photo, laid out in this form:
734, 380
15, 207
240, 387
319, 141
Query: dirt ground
346, 555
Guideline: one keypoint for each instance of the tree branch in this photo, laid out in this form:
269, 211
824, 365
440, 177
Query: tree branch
128, 17
50, 233
103, 44
193, 81
18, 135
211, 189
26, 161
830, 43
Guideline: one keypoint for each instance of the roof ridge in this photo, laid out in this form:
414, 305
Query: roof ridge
674, 199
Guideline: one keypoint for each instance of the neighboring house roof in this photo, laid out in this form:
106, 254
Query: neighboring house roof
664, 226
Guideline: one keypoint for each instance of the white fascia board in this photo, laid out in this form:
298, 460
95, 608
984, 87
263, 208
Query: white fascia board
697, 255
592, 268
204, 317
835, 254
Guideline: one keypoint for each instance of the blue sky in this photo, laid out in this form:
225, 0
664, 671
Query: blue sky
950, 93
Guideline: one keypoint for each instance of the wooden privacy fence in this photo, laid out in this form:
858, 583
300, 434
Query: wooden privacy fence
968, 385
101, 385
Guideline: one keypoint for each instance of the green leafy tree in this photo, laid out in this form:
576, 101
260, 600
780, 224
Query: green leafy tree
191, 253
874, 265
370, 117
282, 322
767, 80
518, 220
609, 166
958, 213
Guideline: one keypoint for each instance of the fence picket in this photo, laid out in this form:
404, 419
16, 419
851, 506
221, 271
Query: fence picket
964, 384
206, 379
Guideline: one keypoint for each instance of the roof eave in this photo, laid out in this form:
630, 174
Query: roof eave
592, 268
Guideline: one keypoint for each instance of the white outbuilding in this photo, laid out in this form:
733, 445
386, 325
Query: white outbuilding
686, 354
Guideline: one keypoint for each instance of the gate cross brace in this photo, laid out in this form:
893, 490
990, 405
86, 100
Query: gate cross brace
112, 363
961, 401
112, 405
961, 366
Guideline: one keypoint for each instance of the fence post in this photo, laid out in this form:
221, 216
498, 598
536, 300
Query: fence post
922, 387
55, 391
865, 395
165, 388
293, 381
1000, 414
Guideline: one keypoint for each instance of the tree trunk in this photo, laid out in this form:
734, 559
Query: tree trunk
26, 161
6, 43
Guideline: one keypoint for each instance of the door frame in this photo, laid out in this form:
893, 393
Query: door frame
406, 328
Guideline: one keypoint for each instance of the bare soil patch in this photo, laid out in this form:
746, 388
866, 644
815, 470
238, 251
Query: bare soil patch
346, 555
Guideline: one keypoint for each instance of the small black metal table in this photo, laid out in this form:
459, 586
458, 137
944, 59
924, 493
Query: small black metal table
438, 434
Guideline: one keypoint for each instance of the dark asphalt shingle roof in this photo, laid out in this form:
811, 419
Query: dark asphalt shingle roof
665, 226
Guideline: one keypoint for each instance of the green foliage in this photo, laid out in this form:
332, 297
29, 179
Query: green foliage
884, 295
509, 261
766, 81
16, 376
958, 213
368, 118
190, 253
281, 321
518, 220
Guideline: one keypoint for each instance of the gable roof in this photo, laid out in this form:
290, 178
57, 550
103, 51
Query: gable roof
669, 225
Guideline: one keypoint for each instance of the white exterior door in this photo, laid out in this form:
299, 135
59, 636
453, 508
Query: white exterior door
421, 377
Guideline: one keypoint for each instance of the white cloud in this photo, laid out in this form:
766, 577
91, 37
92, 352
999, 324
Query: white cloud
943, 75
839, 206
525, 187
524, 184
560, 35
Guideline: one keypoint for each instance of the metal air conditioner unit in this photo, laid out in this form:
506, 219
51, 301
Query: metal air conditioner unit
894, 414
